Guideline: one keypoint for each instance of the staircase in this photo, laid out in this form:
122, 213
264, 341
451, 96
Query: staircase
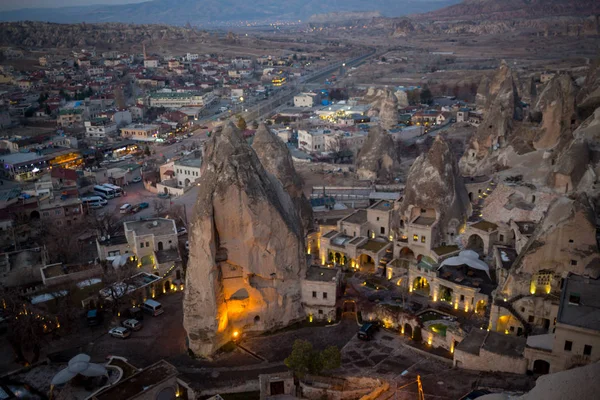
509, 306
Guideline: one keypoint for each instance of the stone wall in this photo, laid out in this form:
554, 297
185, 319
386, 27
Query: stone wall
487, 361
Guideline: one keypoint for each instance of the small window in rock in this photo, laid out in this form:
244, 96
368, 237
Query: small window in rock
462, 297
315, 294
522, 309
531, 318
587, 350
382, 230
320, 312
256, 319
570, 240
574, 298
573, 262
377, 218
502, 238
568, 345
324, 295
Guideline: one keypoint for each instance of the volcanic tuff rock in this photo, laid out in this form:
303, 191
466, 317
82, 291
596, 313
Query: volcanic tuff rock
246, 248
434, 182
277, 160
588, 98
502, 109
556, 109
378, 158
388, 113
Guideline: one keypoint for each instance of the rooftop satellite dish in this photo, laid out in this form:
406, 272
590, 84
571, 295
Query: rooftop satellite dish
108, 237
155, 223
102, 239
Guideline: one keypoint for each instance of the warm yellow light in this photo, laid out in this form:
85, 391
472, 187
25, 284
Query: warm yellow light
466, 307
164, 290
456, 305
435, 297
506, 331
181, 287
452, 348
402, 330
310, 318
308, 250
236, 334
429, 341
547, 289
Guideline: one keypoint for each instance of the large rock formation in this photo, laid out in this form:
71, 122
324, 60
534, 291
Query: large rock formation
555, 108
588, 98
246, 248
434, 183
277, 160
502, 108
378, 159
388, 113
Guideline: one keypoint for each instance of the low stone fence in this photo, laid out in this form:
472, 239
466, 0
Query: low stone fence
318, 387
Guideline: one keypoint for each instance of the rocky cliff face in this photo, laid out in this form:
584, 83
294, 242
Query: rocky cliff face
588, 98
378, 159
434, 182
500, 99
246, 248
388, 114
277, 160
555, 108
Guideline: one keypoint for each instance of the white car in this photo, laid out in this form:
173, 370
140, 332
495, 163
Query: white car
120, 332
181, 231
132, 324
136, 179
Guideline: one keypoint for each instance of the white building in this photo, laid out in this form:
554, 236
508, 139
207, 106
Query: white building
141, 132
191, 57
312, 141
100, 128
319, 292
151, 63
187, 172
306, 100
341, 140
181, 99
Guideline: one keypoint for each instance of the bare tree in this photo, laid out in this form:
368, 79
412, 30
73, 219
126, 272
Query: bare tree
159, 206
117, 284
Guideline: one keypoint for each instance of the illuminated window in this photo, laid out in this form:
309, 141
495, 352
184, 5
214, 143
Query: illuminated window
423, 239
416, 238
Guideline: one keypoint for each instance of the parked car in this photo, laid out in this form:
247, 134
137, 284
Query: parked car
163, 195
94, 317
136, 179
143, 205
181, 231
134, 209
132, 324
367, 331
120, 332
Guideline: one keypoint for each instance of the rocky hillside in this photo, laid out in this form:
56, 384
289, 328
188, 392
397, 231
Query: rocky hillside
42, 35
496, 10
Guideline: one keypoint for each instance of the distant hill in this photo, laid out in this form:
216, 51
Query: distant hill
496, 10
218, 12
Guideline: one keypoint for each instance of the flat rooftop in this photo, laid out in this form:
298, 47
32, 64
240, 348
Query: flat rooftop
155, 226
506, 345
321, 274
485, 226
424, 221
467, 276
190, 162
374, 246
580, 303
383, 205
472, 343
330, 234
444, 250
18, 158
357, 217
57, 202
169, 255
139, 382
54, 270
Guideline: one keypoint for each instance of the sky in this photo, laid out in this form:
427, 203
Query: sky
16, 4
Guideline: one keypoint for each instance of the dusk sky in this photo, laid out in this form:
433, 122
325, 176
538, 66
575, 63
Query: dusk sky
16, 4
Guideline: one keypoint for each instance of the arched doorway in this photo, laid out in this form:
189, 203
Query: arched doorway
167, 286
186, 182
407, 253
475, 243
366, 262
421, 286
446, 294
166, 191
471, 197
407, 330
350, 306
34, 215
480, 307
160, 246
541, 367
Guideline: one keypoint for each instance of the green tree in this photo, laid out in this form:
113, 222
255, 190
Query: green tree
306, 360
241, 124
426, 96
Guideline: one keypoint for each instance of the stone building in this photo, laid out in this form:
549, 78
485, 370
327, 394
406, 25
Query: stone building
576, 337
320, 290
